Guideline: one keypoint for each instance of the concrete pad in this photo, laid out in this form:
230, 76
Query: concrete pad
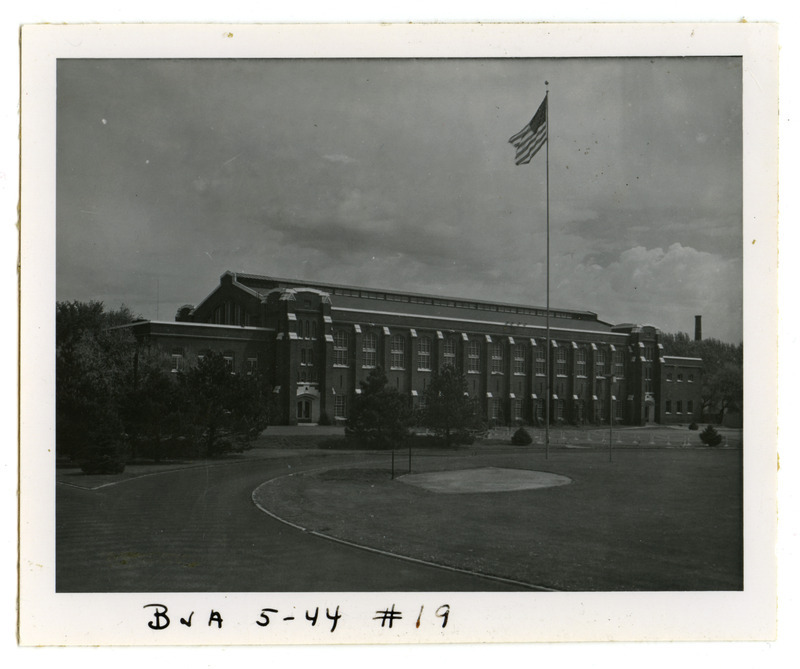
484, 479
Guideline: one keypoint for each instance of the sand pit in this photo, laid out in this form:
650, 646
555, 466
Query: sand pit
484, 479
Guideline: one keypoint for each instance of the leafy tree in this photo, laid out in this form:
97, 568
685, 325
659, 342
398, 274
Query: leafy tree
225, 410
449, 411
94, 362
380, 415
154, 406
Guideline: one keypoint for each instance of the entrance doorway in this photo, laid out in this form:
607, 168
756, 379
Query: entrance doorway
304, 410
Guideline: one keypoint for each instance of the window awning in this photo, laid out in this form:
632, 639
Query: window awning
512, 396
511, 340
464, 336
554, 343
439, 334
574, 345
413, 332
357, 328
488, 339
386, 331
414, 393
533, 342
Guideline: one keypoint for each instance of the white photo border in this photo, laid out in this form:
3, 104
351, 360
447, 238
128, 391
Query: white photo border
47, 618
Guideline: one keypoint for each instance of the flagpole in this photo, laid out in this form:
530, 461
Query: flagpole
548, 398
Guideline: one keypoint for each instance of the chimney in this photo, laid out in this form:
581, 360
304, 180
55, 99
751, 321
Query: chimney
698, 328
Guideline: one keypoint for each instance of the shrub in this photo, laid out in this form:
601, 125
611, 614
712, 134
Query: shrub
521, 437
710, 437
693, 426
324, 419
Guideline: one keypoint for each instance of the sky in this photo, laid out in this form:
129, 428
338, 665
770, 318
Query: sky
398, 174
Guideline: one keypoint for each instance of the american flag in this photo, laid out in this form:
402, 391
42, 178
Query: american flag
530, 139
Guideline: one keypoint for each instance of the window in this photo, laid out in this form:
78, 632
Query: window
619, 364
252, 366
340, 346
669, 376
229, 363
538, 407
516, 409
340, 406
678, 406
559, 409
369, 347
450, 352
424, 353
619, 409
494, 409
600, 362
668, 406
689, 406
680, 378
397, 350
313, 329
497, 358
580, 362
520, 358
177, 362
474, 357
690, 378
648, 379
541, 363
561, 362
648, 353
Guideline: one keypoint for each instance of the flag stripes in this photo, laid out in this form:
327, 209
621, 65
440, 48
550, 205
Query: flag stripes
532, 137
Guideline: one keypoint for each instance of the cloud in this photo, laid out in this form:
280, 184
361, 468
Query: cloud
339, 158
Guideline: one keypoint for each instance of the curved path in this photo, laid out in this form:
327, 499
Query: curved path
197, 530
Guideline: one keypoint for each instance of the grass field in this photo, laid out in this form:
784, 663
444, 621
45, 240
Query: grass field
655, 518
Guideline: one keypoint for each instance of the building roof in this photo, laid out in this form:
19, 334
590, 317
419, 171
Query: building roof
356, 299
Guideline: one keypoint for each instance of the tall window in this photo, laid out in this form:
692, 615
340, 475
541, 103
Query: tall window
340, 406
340, 345
494, 409
424, 353
580, 362
648, 379
520, 357
449, 351
541, 363
497, 358
397, 350
561, 361
516, 409
369, 347
177, 362
678, 406
252, 366
619, 364
668, 406
538, 407
474, 357
689, 406
600, 362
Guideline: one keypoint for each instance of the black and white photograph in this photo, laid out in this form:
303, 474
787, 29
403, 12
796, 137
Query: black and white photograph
432, 325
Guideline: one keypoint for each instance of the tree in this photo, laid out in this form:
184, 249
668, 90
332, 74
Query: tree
225, 410
94, 364
380, 415
449, 411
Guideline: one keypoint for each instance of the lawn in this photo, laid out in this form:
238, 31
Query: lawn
651, 519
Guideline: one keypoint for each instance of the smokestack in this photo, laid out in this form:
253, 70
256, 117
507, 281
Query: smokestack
698, 328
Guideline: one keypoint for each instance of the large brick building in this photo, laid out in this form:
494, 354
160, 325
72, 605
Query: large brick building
317, 341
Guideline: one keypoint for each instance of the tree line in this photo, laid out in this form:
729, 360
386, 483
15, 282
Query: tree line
117, 400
